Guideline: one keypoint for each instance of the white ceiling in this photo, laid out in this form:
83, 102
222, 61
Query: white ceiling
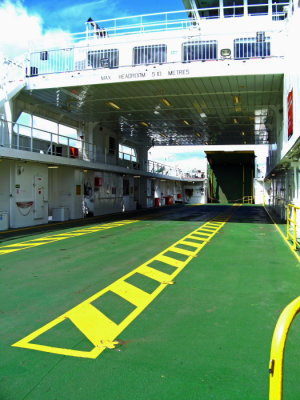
204, 110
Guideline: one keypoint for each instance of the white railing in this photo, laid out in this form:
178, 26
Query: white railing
99, 30
158, 168
27, 138
11, 78
23, 137
177, 20
10, 71
94, 55
138, 24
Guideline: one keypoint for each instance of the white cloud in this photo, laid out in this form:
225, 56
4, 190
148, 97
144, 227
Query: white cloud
20, 30
186, 158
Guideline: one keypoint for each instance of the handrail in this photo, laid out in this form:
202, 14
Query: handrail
247, 199
291, 225
277, 349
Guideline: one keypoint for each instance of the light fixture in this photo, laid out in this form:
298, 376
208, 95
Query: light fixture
113, 105
235, 121
198, 134
166, 102
52, 166
186, 122
136, 176
203, 115
236, 99
225, 52
243, 133
144, 124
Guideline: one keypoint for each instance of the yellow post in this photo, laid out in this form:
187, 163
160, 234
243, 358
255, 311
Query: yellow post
287, 220
291, 222
277, 349
295, 229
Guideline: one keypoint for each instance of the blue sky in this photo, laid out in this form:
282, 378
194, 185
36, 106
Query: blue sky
72, 14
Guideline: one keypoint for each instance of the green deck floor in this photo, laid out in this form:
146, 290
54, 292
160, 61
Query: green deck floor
205, 337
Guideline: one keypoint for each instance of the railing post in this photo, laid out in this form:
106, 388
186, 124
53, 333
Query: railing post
278, 347
287, 221
31, 138
18, 137
295, 228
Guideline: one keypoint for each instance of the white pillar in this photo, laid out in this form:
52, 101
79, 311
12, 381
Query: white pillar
221, 5
246, 8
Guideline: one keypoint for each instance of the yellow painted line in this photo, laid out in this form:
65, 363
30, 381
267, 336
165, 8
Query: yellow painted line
130, 293
8, 251
98, 328
181, 251
283, 236
60, 236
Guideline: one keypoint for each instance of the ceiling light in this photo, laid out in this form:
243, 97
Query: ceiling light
136, 176
186, 122
166, 102
144, 124
203, 115
235, 121
52, 166
236, 99
243, 133
113, 105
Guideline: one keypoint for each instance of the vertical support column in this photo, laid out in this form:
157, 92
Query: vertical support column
31, 133
221, 9
270, 9
246, 8
8, 115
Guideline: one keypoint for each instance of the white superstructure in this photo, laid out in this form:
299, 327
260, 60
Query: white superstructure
78, 118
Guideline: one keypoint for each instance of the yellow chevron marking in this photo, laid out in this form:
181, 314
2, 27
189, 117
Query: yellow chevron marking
130, 293
99, 328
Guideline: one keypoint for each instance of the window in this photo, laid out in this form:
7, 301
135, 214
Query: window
154, 54
103, 58
203, 50
44, 56
233, 8
127, 153
252, 47
257, 7
208, 8
279, 9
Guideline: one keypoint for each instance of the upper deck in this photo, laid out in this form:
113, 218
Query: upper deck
165, 45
